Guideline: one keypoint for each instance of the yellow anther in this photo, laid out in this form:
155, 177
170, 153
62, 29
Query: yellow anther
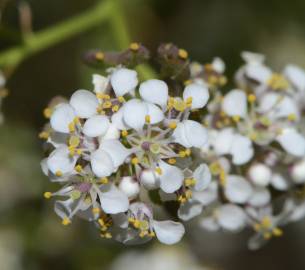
99, 56
158, 170
136, 223
182, 53
76, 120
189, 182
188, 152
147, 119
172, 125
182, 154
100, 110
108, 235
266, 222
208, 67
96, 210
66, 221
131, 220
179, 105
152, 234
115, 108
253, 136
74, 141
223, 80
187, 82
100, 221
172, 161
267, 235
58, 173
124, 133
135, 161
257, 227
251, 98
47, 112
277, 232
189, 101
292, 117
215, 168
236, 118
47, 195
278, 82
212, 80
181, 199
104, 180
121, 99
188, 194
79, 151
78, 168
222, 177
44, 135
107, 104
72, 150
71, 127
134, 46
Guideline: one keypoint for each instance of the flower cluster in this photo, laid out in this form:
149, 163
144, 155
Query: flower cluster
126, 148
256, 148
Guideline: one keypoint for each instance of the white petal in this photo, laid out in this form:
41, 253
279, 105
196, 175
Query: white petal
117, 119
235, 103
259, 73
123, 80
116, 151
129, 186
155, 113
292, 142
62, 116
278, 106
134, 113
260, 174
112, 133
168, 232
149, 179
189, 210
218, 65
199, 94
203, 177
113, 201
231, 217
171, 177
100, 83
223, 141
260, 197
298, 172
96, 125
279, 182
296, 76
190, 133
84, 103
61, 161
206, 196
210, 224
180, 136
241, 149
237, 189
252, 57
154, 91
102, 164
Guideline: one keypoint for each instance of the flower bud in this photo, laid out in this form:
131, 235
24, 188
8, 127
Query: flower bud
149, 179
298, 172
260, 174
129, 186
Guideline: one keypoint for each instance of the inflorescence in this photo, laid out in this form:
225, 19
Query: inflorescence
139, 157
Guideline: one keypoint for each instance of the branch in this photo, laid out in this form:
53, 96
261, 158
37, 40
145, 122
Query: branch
55, 34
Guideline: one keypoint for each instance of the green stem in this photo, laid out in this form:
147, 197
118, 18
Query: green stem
56, 34
123, 39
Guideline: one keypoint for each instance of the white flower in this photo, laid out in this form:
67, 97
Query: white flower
235, 103
229, 217
123, 81
198, 94
237, 189
296, 76
260, 174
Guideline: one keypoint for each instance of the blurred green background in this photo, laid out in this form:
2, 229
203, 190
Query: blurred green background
31, 236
